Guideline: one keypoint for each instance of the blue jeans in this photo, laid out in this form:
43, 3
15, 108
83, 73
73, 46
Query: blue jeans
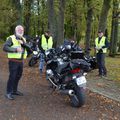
42, 62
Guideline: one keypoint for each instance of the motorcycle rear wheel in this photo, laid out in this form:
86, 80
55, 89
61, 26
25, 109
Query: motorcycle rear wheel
78, 99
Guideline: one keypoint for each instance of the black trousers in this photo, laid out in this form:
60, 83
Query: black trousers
101, 63
15, 73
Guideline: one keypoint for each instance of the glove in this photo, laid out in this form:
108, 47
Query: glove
98, 48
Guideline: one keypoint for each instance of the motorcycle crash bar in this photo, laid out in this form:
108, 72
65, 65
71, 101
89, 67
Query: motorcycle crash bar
53, 83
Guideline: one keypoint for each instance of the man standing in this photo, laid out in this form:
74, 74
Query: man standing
15, 47
46, 42
101, 45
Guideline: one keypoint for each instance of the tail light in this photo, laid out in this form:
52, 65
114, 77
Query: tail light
75, 70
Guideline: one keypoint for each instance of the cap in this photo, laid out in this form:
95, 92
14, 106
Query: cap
100, 31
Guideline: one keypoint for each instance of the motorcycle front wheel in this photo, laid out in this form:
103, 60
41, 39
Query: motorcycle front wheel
32, 62
78, 99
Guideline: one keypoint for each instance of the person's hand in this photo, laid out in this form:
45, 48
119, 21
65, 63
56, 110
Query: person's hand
19, 49
98, 48
20, 41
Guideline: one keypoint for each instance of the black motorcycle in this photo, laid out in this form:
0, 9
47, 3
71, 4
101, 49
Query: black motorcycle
67, 75
77, 53
92, 60
35, 52
35, 58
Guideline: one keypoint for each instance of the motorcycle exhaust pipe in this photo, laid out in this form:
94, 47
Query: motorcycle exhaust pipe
67, 92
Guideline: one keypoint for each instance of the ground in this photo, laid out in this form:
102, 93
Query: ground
41, 103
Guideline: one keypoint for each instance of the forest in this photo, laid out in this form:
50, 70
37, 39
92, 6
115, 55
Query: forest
78, 20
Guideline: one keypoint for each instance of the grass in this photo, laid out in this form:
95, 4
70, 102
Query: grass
1, 42
113, 67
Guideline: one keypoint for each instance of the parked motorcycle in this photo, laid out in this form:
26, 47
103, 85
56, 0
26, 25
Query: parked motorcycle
34, 59
67, 75
77, 53
35, 53
92, 60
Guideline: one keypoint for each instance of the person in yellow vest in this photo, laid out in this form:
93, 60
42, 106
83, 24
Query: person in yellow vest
45, 43
15, 46
101, 45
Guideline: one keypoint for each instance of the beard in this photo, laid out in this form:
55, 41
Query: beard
19, 35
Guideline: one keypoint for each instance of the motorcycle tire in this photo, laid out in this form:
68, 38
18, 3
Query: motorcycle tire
32, 62
78, 99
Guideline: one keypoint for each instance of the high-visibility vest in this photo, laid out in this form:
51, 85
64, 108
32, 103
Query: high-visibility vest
100, 44
16, 44
46, 45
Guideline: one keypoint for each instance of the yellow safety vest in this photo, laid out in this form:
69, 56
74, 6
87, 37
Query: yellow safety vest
101, 44
16, 44
44, 43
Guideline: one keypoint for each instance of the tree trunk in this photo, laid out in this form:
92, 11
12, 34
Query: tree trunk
114, 31
38, 10
88, 27
51, 19
27, 15
34, 25
104, 14
60, 37
18, 6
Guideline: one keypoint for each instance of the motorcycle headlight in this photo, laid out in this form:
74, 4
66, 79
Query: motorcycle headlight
35, 52
49, 72
68, 47
47, 53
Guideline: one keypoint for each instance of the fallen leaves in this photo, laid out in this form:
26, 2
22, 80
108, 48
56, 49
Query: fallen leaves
100, 84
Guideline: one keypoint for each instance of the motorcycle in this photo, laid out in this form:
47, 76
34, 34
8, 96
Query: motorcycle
35, 53
34, 59
92, 60
67, 75
77, 53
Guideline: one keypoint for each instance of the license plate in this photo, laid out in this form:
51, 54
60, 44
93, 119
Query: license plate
81, 80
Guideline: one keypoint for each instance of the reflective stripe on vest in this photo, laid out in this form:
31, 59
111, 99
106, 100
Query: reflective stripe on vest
44, 43
101, 44
16, 44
